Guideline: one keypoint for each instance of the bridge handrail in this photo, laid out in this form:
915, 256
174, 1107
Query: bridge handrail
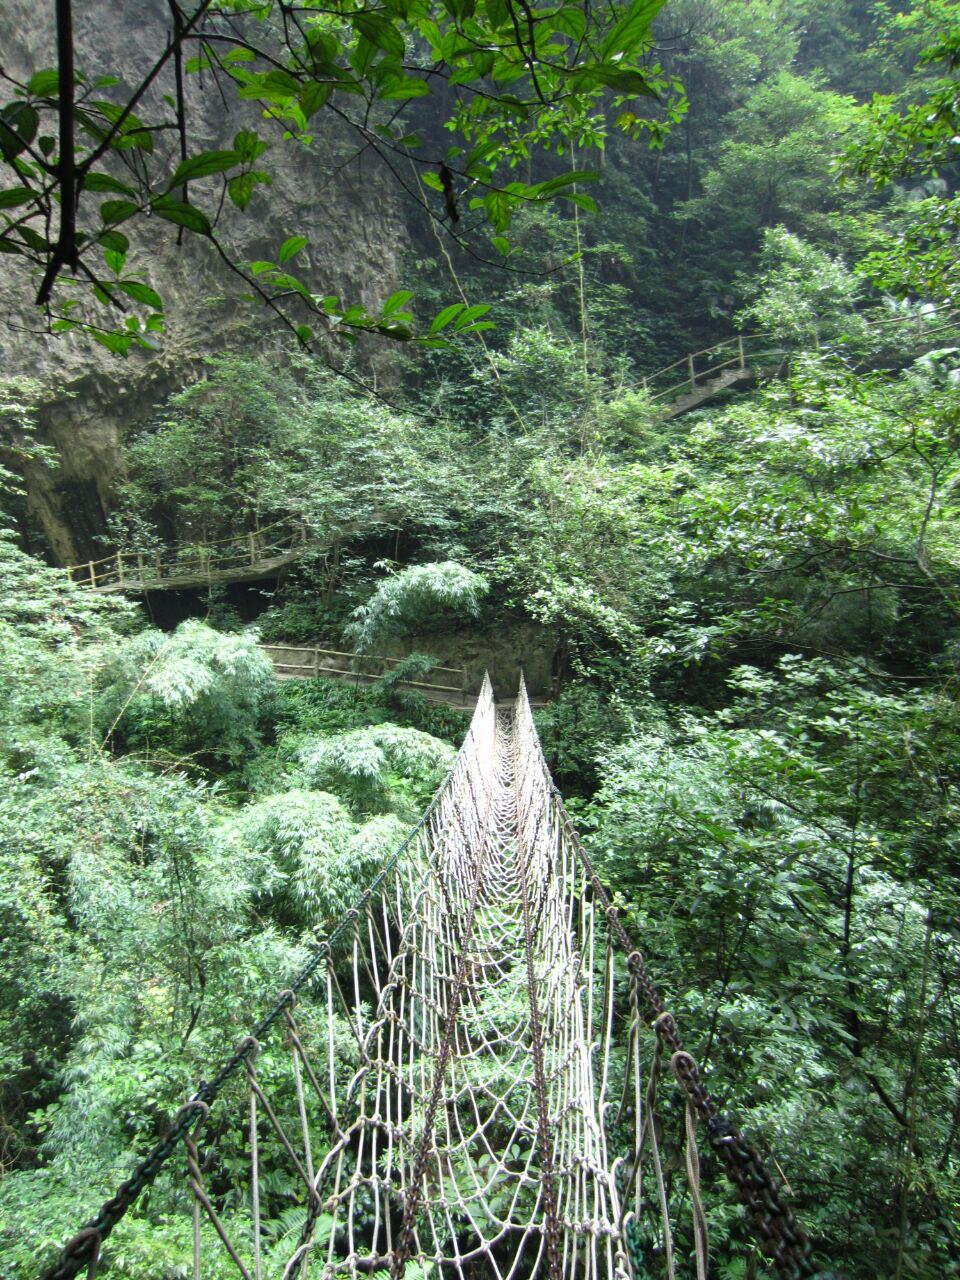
316, 666
171, 562
694, 377
741, 342
359, 657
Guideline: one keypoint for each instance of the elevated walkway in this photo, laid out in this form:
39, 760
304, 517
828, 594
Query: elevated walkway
247, 557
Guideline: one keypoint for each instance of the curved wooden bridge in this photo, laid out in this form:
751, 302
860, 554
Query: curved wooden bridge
245, 557
740, 361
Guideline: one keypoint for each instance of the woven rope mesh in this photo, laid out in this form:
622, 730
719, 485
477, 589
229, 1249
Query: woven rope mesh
442, 1100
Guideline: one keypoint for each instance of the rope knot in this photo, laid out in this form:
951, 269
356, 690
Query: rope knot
684, 1065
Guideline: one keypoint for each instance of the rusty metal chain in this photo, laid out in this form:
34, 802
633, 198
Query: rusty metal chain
770, 1219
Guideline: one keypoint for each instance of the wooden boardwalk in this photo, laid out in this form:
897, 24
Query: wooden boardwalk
247, 557
308, 662
745, 359
450, 686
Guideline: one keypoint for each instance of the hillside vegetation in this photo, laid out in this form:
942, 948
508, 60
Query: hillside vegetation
754, 610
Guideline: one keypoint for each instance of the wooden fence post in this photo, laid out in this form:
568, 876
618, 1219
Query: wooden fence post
743, 363
316, 662
693, 376
93, 573
120, 567
253, 546
140, 572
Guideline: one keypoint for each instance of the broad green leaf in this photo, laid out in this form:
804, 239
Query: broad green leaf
471, 314
240, 189
118, 343
564, 180
396, 301
284, 281
304, 333
578, 198
18, 128
634, 83
106, 182
118, 210
276, 85
248, 145
401, 88
571, 21
182, 213
291, 246
446, 316
203, 165
113, 241
380, 31
632, 28
44, 84
15, 196
499, 208
141, 293
315, 96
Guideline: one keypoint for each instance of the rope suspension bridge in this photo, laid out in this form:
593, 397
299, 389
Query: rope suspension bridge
474, 1076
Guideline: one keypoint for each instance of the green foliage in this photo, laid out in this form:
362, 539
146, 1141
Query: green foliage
761, 854
308, 858
521, 89
805, 297
774, 165
196, 691
424, 596
753, 610
380, 767
914, 141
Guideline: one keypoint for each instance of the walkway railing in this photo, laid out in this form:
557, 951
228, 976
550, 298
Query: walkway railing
198, 560
750, 351
304, 662
745, 351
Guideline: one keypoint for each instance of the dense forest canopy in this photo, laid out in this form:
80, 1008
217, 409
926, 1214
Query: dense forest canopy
752, 609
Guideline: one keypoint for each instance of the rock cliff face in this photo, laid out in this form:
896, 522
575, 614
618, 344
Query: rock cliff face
350, 211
